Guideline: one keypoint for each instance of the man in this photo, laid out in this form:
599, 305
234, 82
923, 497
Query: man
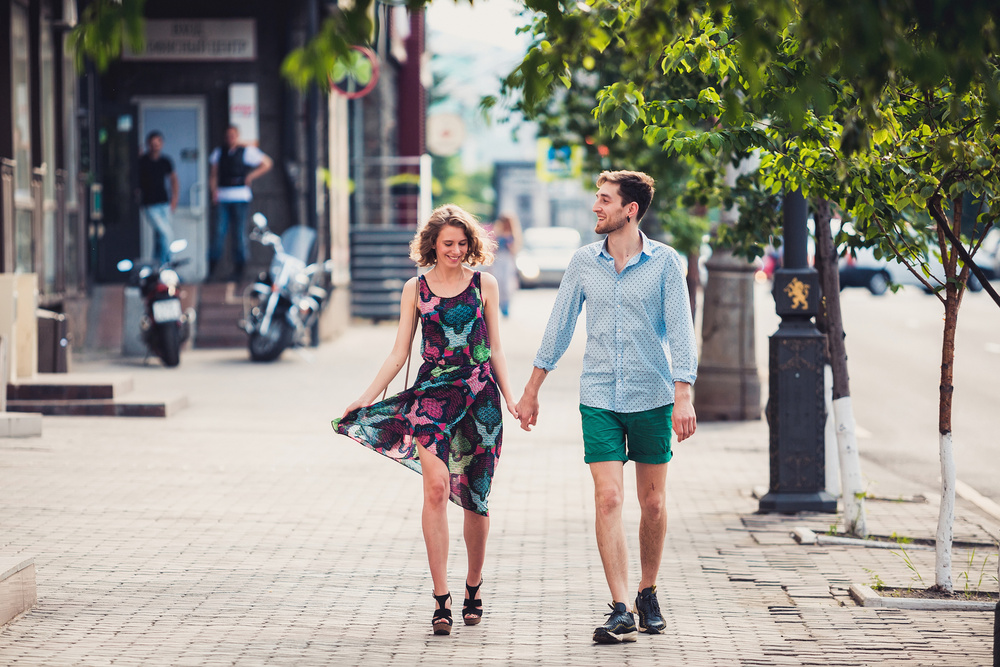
155, 205
638, 369
234, 168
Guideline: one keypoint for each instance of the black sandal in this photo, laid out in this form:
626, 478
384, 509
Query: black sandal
442, 617
472, 609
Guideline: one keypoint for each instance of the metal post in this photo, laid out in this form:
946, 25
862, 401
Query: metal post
796, 406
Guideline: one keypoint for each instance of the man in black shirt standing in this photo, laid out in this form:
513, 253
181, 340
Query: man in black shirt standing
155, 205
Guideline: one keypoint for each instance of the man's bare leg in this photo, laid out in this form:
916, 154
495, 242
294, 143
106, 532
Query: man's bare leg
609, 494
651, 483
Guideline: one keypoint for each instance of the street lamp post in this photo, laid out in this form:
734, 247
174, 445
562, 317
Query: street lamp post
796, 406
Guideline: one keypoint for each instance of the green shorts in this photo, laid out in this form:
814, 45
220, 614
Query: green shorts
643, 437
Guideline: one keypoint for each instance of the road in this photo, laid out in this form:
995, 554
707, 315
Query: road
894, 361
894, 348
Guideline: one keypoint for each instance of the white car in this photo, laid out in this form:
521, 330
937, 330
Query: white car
546, 254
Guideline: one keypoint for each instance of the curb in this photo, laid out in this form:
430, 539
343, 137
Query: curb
806, 537
866, 597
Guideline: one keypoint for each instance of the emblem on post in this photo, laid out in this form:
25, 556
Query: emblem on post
798, 292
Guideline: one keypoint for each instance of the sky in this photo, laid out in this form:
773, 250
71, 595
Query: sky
474, 47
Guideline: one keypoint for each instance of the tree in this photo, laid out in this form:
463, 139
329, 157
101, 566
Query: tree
885, 148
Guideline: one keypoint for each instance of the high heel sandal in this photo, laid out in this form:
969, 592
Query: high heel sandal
442, 617
472, 609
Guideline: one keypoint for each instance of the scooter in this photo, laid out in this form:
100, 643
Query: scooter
165, 326
285, 301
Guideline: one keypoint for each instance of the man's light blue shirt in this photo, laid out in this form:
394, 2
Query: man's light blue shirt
640, 337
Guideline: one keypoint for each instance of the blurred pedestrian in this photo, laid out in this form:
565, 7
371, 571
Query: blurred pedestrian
507, 234
234, 168
638, 368
449, 425
155, 205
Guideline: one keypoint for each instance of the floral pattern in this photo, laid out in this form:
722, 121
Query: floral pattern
453, 408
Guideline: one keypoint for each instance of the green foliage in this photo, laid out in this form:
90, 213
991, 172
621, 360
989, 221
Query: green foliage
969, 589
105, 25
914, 573
453, 185
876, 581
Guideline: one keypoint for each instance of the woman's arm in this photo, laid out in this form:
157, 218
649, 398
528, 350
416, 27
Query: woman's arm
400, 349
491, 299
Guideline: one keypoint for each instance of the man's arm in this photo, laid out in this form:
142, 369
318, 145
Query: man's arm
558, 333
175, 190
527, 407
265, 166
213, 182
684, 419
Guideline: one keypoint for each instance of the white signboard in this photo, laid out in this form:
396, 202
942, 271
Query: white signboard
243, 111
197, 39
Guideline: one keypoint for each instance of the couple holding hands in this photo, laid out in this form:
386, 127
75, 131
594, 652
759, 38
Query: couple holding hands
638, 369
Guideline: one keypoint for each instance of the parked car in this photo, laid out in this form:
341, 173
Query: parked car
877, 274
545, 255
866, 271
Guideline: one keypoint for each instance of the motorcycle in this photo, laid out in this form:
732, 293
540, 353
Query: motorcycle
164, 325
286, 300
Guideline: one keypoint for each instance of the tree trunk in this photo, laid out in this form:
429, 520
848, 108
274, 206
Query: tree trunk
946, 513
852, 484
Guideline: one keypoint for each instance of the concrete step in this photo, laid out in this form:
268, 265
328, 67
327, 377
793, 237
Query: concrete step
20, 424
103, 407
220, 307
69, 386
18, 592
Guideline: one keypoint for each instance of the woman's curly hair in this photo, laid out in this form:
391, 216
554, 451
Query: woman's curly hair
481, 246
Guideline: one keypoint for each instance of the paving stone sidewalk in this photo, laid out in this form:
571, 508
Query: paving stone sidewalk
242, 531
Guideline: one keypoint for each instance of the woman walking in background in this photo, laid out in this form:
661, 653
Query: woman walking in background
507, 233
449, 425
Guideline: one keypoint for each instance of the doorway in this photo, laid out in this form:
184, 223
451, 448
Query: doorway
182, 122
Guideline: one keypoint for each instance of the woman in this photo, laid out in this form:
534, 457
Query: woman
507, 232
448, 425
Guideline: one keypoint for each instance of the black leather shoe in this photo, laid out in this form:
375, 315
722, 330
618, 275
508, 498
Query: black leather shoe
619, 628
647, 607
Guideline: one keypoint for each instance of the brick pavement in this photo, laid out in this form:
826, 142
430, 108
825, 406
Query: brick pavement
243, 532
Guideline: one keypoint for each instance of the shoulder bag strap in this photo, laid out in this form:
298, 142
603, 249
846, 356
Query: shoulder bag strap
409, 352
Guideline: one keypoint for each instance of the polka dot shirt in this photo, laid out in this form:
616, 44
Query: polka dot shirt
640, 337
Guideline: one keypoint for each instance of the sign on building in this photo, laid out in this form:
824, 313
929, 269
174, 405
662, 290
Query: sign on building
197, 39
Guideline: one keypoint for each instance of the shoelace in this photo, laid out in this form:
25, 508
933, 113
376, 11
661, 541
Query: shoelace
653, 603
614, 611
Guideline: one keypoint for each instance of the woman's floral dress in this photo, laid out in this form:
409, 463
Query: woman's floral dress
453, 408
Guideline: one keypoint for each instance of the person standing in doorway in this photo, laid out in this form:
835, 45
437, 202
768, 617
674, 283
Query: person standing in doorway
234, 168
638, 369
155, 204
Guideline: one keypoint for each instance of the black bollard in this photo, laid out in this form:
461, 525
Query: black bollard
796, 406
996, 635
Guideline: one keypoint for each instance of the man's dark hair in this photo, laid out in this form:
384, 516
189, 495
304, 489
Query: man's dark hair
153, 135
634, 186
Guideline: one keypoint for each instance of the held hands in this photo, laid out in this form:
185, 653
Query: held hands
527, 410
511, 406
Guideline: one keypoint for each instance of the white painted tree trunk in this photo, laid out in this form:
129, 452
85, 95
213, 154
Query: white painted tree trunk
946, 516
855, 521
832, 467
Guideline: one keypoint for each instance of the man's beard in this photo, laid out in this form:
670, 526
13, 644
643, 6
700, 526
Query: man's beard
611, 224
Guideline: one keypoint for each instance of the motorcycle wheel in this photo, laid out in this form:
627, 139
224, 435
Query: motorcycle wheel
170, 344
269, 346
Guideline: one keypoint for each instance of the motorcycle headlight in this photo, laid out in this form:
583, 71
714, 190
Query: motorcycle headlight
170, 278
